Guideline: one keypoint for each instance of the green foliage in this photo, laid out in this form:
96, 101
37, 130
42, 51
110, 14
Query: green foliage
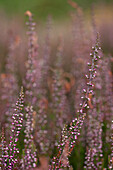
42, 8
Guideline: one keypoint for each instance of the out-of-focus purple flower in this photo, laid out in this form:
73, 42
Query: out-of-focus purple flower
9, 86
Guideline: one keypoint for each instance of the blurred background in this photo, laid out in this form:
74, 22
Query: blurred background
98, 13
72, 22
41, 8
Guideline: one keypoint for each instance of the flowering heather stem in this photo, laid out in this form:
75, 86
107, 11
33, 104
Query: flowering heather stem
33, 71
76, 124
29, 157
35, 94
15, 129
4, 154
94, 127
94, 139
111, 155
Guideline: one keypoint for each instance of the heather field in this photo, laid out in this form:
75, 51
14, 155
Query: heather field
56, 85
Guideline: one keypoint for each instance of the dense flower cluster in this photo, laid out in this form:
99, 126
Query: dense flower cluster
33, 70
94, 153
10, 152
111, 156
57, 120
35, 93
29, 153
17, 122
3, 158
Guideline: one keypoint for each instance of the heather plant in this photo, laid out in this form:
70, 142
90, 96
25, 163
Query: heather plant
110, 158
15, 129
35, 92
29, 153
42, 138
76, 124
4, 152
58, 124
94, 155
31, 64
10, 151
